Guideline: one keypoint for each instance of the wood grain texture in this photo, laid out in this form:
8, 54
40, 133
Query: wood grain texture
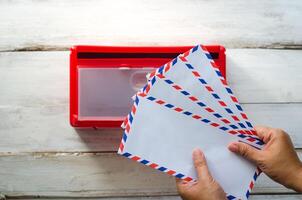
47, 128
34, 99
42, 156
252, 197
265, 76
88, 174
58, 24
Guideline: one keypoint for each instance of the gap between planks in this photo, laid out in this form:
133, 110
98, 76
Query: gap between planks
35, 48
230, 23
71, 153
92, 175
165, 197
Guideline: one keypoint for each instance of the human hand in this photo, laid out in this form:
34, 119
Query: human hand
205, 188
277, 159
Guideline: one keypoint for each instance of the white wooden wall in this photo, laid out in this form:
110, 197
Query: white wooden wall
42, 156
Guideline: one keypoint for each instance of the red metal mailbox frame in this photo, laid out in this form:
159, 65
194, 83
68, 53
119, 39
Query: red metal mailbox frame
116, 57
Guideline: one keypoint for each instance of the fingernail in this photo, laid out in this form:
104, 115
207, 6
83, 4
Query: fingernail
233, 147
197, 152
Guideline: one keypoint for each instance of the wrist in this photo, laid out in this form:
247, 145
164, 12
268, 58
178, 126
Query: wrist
296, 179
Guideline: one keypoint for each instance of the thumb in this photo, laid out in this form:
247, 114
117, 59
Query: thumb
201, 166
245, 150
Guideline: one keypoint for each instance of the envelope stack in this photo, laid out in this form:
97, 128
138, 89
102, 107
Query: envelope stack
187, 104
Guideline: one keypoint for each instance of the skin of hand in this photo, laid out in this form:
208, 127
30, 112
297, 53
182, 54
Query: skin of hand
277, 159
205, 188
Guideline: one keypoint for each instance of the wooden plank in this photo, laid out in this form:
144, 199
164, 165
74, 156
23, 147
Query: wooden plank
265, 76
252, 197
41, 78
88, 174
234, 23
34, 99
47, 128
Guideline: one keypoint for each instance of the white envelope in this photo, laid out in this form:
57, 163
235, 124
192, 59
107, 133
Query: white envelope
179, 74
200, 56
159, 89
162, 139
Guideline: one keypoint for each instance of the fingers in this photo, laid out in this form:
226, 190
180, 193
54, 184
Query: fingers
262, 131
180, 185
179, 181
245, 150
200, 164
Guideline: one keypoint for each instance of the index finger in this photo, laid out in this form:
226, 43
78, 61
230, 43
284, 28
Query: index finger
263, 132
200, 164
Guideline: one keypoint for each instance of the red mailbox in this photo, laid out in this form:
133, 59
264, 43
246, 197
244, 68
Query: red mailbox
103, 79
